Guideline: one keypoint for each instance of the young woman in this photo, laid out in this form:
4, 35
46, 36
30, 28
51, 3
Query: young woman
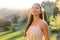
36, 28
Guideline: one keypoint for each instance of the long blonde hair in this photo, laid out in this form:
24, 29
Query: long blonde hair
30, 19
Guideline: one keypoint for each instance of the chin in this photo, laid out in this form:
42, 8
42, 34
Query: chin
34, 14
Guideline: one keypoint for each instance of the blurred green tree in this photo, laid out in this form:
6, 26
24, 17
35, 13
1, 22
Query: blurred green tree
15, 18
8, 25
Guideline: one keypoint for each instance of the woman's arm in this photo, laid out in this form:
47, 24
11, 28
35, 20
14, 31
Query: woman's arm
45, 31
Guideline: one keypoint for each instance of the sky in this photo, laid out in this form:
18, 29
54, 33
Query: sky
19, 4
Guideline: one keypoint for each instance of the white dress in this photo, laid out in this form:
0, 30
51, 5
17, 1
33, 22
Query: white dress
34, 33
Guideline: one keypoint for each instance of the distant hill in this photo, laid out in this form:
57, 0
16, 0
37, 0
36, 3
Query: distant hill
8, 13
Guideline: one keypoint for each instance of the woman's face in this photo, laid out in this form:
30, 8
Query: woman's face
36, 9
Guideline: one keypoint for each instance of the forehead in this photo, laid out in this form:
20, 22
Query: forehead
36, 5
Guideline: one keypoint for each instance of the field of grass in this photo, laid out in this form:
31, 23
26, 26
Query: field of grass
18, 34
13, 35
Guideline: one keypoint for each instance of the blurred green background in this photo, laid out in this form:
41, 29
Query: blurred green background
13, 22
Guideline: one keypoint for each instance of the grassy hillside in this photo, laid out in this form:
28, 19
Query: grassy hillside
10, 35
18, 34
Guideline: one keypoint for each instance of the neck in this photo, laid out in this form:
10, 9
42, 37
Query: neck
36, 18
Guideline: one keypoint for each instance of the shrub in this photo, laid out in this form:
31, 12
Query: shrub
8, 25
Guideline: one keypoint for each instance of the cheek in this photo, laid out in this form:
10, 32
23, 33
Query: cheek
35, 13
38, 11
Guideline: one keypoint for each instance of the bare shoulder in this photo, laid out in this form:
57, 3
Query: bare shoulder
43, 24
